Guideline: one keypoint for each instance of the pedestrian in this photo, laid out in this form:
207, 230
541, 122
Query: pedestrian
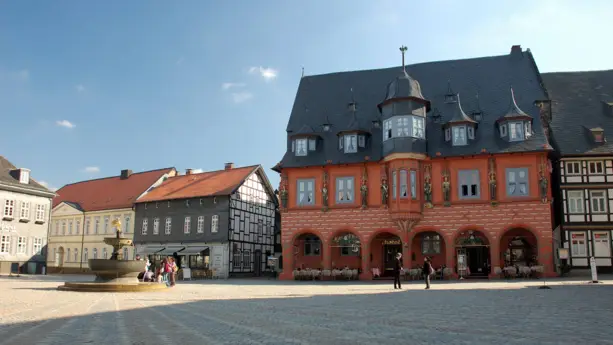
397, 270
173, 270
427, 271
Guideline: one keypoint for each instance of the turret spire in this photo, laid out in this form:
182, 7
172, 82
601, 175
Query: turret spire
403, 50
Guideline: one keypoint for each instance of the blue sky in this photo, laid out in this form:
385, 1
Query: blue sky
88, 88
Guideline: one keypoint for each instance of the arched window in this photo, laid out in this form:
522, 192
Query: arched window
76, 255
85, 254
431, 244
95, 253
312, 245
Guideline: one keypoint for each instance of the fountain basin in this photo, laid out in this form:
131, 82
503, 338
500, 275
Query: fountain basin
116, 271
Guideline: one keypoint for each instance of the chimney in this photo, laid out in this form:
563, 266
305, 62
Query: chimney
516, 50
229, 166
188, 171
125, 174
23, 175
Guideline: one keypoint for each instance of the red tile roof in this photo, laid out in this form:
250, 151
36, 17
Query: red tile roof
109, 193
222, 182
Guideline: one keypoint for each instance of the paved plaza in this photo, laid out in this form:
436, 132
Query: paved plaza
271, 312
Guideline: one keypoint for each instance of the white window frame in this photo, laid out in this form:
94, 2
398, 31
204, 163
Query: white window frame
85, 254
63, 227
24, 211
574, 201
516, 131
394, 184
37, 246
345, 190
601, 201
312, 144
96, 225
351, 143
236, 258
419, 129
168, 226
9, 208
404, 184
301, 147
22, 243
403, 126
571, 165
76, 255
470, 131
70, 227
598, 167
466, 178
578, 246
512, 178
528, 128
107, 220
305, 195
57, 227
95, 253
413, 182
88, 224
24, 176
40, 213
459, 137
387, 129
145, 226
5, 244
200, 228
156, 226
215, 224
77, 227
187, 225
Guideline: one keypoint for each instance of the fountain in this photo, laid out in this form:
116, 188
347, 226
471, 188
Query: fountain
114, 274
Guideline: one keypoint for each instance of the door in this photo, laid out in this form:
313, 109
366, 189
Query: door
257, 263
389, 255
602, 248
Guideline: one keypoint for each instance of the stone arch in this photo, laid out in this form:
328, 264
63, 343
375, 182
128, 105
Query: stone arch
307, 250
518, 246
429, 242
384, 245
378, 232
346, 248
472, 252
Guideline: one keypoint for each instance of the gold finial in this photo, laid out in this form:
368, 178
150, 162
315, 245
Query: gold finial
116, 224
403, 50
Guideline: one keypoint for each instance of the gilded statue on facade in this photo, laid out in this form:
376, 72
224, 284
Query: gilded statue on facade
283, 193
543, 183
324, 192
428, 186
446, 189
364, 189
384, 191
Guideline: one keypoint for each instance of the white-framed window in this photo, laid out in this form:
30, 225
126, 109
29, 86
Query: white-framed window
312, 144
598, 200
517, 181
468, 184
96, 225
95, 254
24, 176
403, 184
40, 213
126, 224
106, 224
21, 245
413, 180
394, 184
573, 168
459, 135
145, 226
404, 126
68, 255
516, 131
215, 224
70, 227
187, 225
301, 147
578, 244
351, 143
596, 167
63, 227
503, 130
76, 255
156, 226
57, 227
105, 253
246, 259
25, 210
418, 127
574, 199
387, 129
168, 227
37, 246
87, 226
200, 228
9, 208
528, 129
77, 227
5, 244
306, 191
85, 254
345, 190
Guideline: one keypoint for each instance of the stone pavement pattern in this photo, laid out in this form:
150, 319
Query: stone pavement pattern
267, 312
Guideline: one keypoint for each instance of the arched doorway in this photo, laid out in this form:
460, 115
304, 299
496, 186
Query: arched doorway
308, 252
429, 244
472, 254
384, 248
518, 247
346, 251
59, 257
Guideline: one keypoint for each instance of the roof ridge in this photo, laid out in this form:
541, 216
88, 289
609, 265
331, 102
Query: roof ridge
110, 177
215, 171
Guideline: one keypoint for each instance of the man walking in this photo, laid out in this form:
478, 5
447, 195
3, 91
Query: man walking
427, 271
397, 270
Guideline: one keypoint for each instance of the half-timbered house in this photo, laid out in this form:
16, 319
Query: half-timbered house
220, 223
582, 133
442, 159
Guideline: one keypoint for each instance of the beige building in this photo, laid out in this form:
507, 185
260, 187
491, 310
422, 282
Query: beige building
83, 212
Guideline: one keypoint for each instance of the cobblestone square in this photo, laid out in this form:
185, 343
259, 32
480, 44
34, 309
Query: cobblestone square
272, 312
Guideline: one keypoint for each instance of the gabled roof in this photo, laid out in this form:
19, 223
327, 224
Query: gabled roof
213, 183
108, 193
489, 77
10, 179
459, 116
514, 112
578, 100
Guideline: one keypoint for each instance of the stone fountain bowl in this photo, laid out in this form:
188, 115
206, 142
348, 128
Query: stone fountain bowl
116, 271
118, 242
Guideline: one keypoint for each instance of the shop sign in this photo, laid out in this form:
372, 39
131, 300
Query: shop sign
391, 242
563, 253
7, 227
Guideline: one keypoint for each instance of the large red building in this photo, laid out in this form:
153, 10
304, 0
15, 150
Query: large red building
443, 159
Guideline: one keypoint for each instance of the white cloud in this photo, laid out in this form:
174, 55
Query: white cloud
65, 123
91, 170
240, 97
227, 86
80, 88
266, 73
46, 185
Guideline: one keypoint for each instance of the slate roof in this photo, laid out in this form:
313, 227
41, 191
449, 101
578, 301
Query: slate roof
108, 193
212, 183
11, 179
577, 106
322, 97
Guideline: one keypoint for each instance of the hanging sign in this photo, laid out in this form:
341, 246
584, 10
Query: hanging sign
391, 242
563, 253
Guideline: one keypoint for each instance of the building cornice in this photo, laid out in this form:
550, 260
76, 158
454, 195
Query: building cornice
25, 190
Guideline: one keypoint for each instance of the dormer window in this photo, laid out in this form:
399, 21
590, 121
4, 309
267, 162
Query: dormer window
515, 125
24, 176
459, 135
312, 144
503, 130
471, 132
301, 147
404, 126
516, 131
351, 143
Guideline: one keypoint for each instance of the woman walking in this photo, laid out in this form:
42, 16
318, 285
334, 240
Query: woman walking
173, 270
397, 270
427, 271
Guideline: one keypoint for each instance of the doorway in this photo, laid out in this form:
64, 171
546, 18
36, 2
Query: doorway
257, 263
389, 255
478, 260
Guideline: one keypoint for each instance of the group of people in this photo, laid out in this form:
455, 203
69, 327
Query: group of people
166, 271
427, 271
